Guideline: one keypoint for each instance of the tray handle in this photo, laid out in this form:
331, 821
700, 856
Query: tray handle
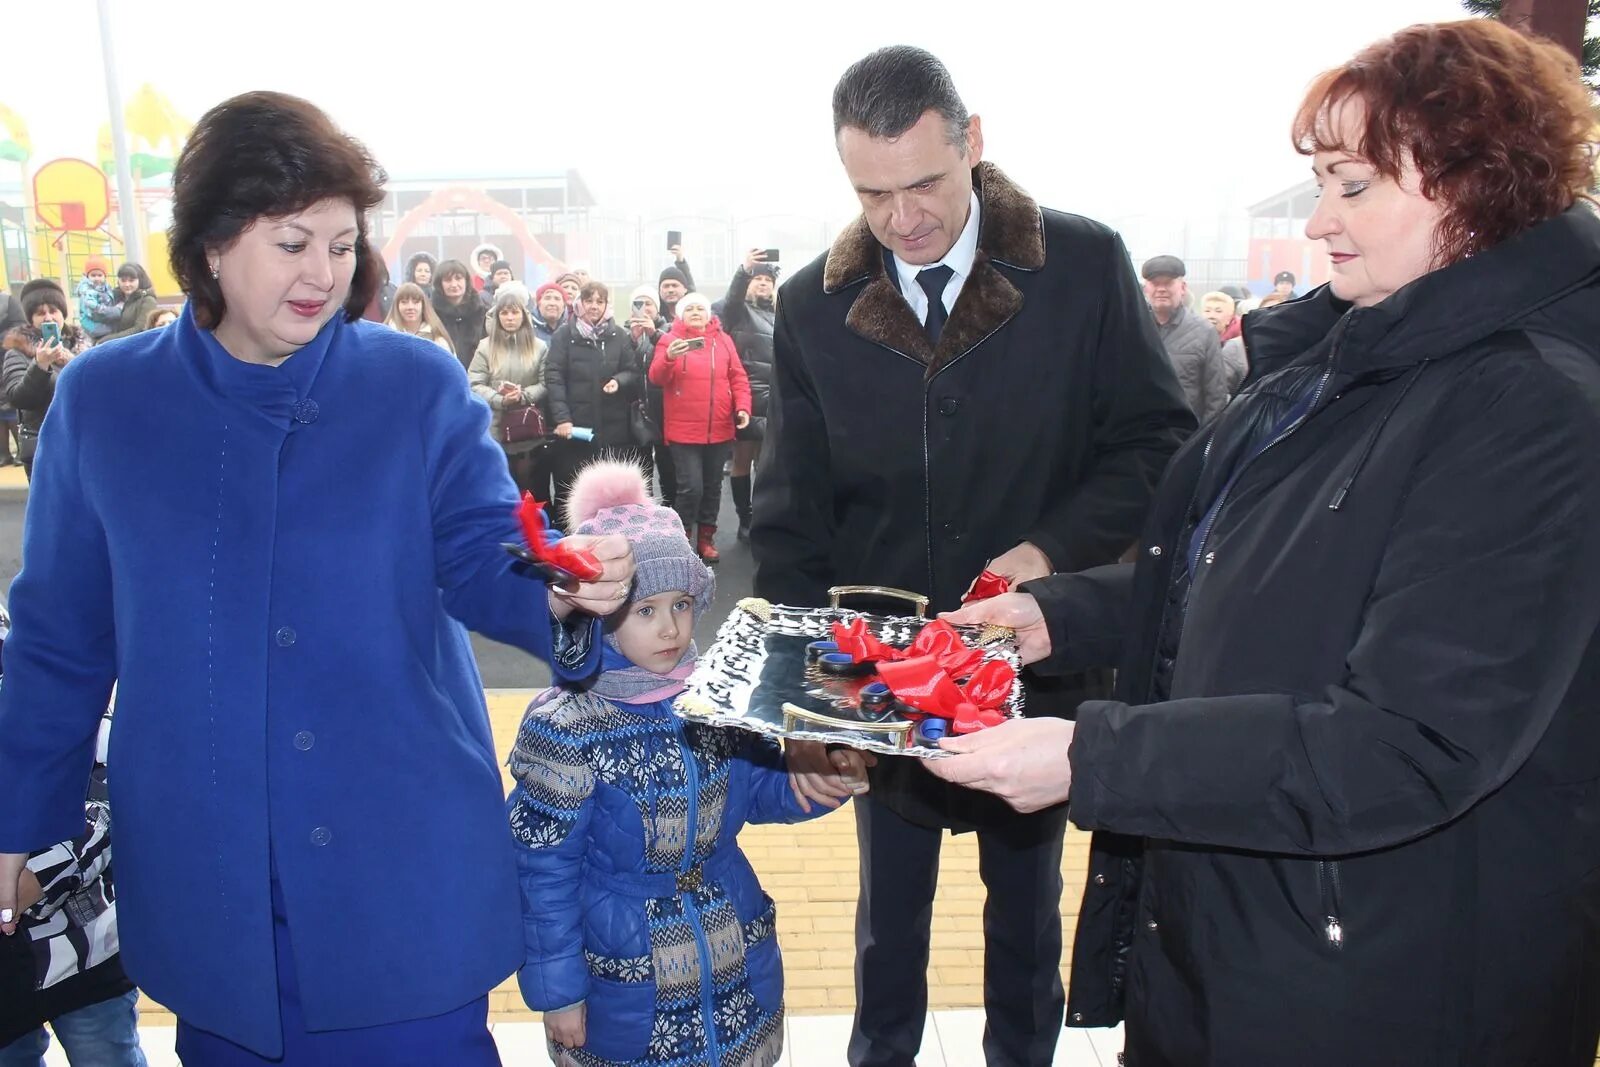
917, 600
897, 734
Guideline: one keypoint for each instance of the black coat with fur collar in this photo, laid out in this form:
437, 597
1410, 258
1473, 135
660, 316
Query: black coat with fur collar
1045, 414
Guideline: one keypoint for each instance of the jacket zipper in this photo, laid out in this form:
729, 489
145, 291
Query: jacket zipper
1332, 902
690, 911
711, 392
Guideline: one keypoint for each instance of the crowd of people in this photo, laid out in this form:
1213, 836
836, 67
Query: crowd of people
1311, 596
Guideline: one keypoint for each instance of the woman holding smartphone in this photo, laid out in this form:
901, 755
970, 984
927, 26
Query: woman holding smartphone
707, 398
35, 354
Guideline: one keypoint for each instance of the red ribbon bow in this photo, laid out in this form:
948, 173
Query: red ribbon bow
548, 547
863, 647
926, 687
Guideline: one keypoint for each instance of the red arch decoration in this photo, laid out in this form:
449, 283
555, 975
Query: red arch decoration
458, 198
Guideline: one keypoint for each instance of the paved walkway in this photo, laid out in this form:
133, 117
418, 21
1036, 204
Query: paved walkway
810, 870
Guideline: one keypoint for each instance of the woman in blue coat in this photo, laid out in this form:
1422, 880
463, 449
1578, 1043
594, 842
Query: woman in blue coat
271, 526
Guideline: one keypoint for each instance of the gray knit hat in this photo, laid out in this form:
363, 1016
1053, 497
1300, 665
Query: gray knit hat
612, 497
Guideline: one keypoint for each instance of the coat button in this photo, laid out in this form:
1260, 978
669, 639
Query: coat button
1155, 550
1099, 879
286, 636
1211, 557
1152, 926
321, 836
1077, 1016
306, 412
304, 740
949, 405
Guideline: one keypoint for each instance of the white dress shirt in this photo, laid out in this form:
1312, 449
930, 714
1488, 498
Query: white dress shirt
958, 259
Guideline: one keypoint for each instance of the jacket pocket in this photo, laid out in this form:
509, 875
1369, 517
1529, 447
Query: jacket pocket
763, 960
619, 1018
1330, 889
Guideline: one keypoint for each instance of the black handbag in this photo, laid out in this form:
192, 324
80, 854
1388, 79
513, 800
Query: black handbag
755, 431
645, 432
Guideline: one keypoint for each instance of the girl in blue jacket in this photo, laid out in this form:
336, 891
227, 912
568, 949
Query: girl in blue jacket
649, 940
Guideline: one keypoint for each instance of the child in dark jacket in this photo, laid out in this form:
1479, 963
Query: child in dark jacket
649, 940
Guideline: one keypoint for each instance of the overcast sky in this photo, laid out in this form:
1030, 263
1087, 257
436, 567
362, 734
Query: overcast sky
1141, 112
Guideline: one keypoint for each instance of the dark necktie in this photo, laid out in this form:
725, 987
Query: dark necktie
933, 280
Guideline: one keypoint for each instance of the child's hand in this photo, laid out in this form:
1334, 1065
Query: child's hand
566, 1028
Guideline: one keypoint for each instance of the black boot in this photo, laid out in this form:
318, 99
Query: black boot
741, 503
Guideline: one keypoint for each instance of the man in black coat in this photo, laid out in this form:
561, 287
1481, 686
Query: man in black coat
962, 380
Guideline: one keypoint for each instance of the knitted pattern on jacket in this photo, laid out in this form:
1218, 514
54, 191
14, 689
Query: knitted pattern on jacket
673, 948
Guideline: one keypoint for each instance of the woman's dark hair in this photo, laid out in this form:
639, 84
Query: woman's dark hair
593, 288
265, 155
451, 268
888, 92
1496, 124
133, 270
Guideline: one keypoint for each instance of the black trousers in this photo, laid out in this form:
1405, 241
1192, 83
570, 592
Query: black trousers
699, 472
1020, 864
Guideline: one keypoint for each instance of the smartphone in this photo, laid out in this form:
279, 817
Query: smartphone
694, 342
51, 332
771, 254
638, 305
674, 238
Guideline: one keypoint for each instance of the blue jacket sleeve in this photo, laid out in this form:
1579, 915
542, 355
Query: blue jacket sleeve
550, 810
771, 797
60, 660
473, 501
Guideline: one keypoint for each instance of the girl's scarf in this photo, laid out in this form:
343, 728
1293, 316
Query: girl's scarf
622, 681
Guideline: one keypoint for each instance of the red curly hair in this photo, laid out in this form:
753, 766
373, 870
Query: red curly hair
1497, 125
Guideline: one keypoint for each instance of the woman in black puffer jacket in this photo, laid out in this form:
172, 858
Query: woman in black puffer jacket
458, 307
748, 314
593, 376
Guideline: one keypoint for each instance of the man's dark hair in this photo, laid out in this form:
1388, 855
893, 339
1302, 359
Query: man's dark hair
264, 155
886, 93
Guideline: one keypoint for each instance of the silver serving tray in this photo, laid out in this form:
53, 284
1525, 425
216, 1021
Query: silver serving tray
756, 675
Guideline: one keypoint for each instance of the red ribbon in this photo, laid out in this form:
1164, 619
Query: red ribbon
989, 584
548, 546
863, 647
923, 685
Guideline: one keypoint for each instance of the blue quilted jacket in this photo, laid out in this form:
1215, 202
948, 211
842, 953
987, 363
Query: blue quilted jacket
636, 897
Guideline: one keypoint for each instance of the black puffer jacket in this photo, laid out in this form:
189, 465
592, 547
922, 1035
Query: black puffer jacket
464, 322
1348, 803
577, 369
27, 387
751, 330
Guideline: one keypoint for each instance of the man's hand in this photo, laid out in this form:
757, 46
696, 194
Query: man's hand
567, 1029
741, 419
605, 594
610, 387
12, 866
1023, 762
563, 429
823, 776
677, 253
1016, 610
1022, 564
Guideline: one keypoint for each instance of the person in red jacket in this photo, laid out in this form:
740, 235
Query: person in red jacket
707, 398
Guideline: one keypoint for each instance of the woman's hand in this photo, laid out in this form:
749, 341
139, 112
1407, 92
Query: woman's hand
604, 594
752, 257
1023, 761
45, 353
741, 419
1016, 610
567, 1029
610, 387
563, 429
677, 348
12, 866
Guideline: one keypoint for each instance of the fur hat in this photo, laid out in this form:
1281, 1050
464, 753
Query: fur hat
38, 293
673, 274
769, 270
611, 497
689, 300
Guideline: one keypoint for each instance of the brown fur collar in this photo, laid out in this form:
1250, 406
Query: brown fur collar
1010, 232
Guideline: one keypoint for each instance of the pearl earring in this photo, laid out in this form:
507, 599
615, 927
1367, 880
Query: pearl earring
213, 270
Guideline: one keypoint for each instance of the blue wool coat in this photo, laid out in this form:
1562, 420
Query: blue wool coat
278, 567
637, 898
